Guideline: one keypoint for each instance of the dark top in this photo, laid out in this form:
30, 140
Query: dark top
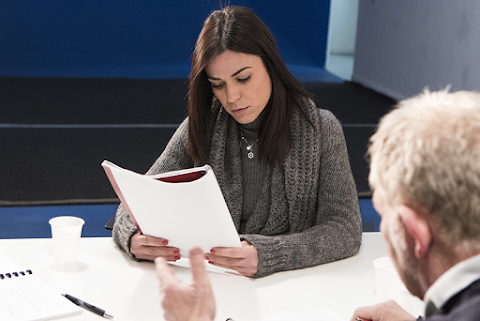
464, 306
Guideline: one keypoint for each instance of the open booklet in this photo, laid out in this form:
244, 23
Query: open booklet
186, 207
25, 297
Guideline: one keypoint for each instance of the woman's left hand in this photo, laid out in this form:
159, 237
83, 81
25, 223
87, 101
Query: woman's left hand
243, 260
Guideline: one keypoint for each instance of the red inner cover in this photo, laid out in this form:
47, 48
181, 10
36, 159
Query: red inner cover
190, 177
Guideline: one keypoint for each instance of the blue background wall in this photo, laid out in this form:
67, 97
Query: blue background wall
140, 39
143, 39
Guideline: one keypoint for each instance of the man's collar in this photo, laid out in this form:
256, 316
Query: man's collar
454, 280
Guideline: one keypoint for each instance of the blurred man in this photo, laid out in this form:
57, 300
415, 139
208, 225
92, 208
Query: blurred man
425, 173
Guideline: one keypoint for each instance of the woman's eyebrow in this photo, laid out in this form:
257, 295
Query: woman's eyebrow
233, 75
236, 73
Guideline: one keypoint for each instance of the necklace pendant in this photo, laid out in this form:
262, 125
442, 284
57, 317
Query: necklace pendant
249, 147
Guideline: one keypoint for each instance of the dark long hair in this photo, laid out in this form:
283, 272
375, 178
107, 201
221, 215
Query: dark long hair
240, 29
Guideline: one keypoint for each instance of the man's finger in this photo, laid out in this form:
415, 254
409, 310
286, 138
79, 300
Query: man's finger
198, 266
368, 312
364, 313
164, 272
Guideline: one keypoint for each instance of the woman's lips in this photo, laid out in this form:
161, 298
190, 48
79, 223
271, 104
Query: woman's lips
239, 110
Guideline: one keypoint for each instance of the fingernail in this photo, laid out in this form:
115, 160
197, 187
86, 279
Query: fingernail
177, 257
206, 258
165, 242
210, 262
212, 251
176, 252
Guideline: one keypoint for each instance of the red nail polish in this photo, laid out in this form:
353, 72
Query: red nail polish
165, 242
177, 257
210, 262
206, 258
176, 252
212, 251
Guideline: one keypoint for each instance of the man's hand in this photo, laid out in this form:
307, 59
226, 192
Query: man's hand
387, 311
244, 260
182, 302
148, 248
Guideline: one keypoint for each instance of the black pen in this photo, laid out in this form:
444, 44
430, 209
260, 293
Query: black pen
88, 306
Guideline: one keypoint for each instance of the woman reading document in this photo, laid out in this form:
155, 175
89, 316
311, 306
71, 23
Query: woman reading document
281, 162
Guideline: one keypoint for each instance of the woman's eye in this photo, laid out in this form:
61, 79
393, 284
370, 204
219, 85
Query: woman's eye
219, 86
244, 80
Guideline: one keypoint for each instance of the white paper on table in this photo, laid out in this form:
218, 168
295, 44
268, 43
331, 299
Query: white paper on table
25, 297
323, 314
186, 214
185, 262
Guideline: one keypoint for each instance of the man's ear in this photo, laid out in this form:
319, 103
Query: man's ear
418, 229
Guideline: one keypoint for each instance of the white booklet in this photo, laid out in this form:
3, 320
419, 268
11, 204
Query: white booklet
25, 297
186, 207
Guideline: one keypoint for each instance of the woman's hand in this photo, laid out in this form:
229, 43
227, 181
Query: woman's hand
244, 260
148, 248
186, 302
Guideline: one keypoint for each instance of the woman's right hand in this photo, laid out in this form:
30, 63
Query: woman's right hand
148, 248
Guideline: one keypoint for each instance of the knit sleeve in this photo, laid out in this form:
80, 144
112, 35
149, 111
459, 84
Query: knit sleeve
337, 231
174, 157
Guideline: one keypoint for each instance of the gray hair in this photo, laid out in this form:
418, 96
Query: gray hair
426, 155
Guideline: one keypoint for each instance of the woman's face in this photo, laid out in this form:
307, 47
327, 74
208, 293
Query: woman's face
241, 83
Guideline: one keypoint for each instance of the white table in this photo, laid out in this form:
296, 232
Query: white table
107, 278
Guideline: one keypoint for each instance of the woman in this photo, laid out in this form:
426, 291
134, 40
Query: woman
281, 163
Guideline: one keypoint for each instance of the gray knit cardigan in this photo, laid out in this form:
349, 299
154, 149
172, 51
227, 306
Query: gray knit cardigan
293, 225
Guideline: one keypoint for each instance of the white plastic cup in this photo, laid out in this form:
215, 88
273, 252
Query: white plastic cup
391, 287
66, 233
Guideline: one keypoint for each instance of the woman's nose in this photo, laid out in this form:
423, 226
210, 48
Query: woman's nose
233, 94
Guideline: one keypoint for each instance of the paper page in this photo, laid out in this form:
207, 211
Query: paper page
25, 297
323, 314
185, 262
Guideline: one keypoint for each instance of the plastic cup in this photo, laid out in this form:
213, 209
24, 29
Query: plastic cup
390, 287
66, 233
386, 278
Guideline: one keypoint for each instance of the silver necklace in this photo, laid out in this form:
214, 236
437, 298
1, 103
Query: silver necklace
249, 146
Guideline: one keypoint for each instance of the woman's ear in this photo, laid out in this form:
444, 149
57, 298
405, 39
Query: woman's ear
418, 229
